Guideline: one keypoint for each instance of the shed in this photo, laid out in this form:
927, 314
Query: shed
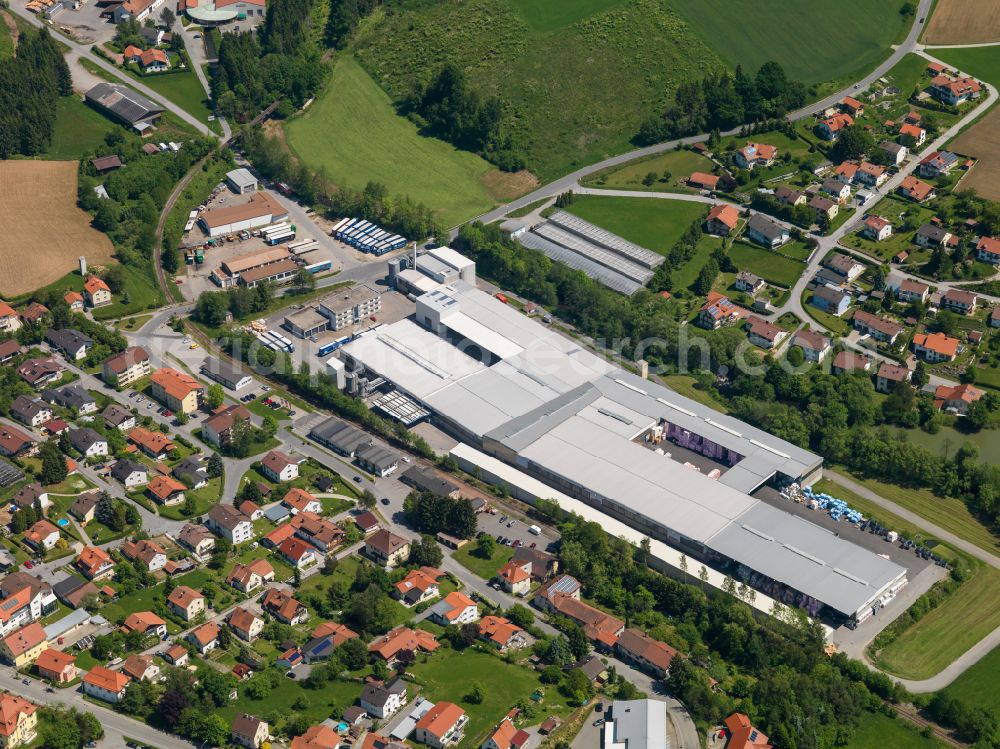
241, 181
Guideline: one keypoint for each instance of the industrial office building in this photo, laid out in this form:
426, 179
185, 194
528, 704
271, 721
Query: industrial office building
335, 311
509, 386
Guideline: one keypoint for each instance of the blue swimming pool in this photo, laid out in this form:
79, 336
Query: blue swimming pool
62, 522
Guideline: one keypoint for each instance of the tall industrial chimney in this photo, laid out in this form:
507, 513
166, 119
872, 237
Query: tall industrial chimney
83, 266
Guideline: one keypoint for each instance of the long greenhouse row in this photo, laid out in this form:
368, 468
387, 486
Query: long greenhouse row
594, 252
606, 239
366, 236
614, 281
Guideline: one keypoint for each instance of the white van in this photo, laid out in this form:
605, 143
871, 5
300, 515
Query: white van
534, 530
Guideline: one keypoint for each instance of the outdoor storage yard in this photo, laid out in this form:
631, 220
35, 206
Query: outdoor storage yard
56, 238
964, 22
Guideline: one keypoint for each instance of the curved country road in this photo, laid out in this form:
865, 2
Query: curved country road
567, 182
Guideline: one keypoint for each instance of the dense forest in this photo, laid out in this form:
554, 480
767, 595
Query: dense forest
724, 101
837, 417
31, 83
282, 64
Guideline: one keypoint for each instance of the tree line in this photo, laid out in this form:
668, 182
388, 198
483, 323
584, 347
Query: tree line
723, 101
31, 83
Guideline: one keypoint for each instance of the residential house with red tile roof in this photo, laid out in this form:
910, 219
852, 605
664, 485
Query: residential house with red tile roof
140, 667
441, 725
935, 347
245, 624
506, 735
178, 391
502, 633
283, 607
152, 556
916, 190
56, 666
956, 398
186, 602
402, 639
718, 311
418, 586
455, 608
18, 720
515, 578
22, 646
742, 734
280, 467
145, 622
722, 220
104, 684
755, 154
205, 637
299, 500
890, 375
650, 655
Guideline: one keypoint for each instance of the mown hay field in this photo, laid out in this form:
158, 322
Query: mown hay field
44, 232
964, 22
982, 141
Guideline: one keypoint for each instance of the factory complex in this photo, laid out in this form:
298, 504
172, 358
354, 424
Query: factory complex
518, 392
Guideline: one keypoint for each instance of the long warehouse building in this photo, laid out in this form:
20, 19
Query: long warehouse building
511, 387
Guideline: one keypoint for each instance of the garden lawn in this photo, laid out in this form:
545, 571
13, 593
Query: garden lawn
204, 499
768, 264
78, 129
680, 164
969, 614
949, 439
814, 40
977, 686
142, 292
649, 222
183, 89
374, 143
331, 699
877, 731
450, 674
485, 568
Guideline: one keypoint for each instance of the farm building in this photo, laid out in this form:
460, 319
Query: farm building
260, 210
123, 104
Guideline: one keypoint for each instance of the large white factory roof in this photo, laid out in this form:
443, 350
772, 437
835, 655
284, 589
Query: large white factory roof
573, 416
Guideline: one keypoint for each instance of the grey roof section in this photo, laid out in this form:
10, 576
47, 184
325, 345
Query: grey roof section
807, 558
605, 238
73, 619
71, 396
611, 279
277, 513
68, 340
242, 177
378, 456
766, 227
82, 439
123, 102
125, 468
223, 371
340, 436
598, 254
637, 724
407, 725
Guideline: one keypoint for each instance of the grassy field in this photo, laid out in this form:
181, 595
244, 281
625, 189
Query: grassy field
551, 15
971, 613
977, 686
78, 129
814, 41
684, 384
372, 142
950, 514
876, 731
580, 76
183, 89
686, 274
654, 224
949, 439
450, 674
142, 294
6, 38
485, 568
680, 165
982, 62
769, 265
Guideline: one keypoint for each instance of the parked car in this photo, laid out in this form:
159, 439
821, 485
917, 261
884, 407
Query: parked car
385, 500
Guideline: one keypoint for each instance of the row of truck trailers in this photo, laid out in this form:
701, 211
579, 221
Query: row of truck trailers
366, 236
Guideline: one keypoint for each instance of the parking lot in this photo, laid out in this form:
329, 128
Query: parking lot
86, 25
195, 277
513, 526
